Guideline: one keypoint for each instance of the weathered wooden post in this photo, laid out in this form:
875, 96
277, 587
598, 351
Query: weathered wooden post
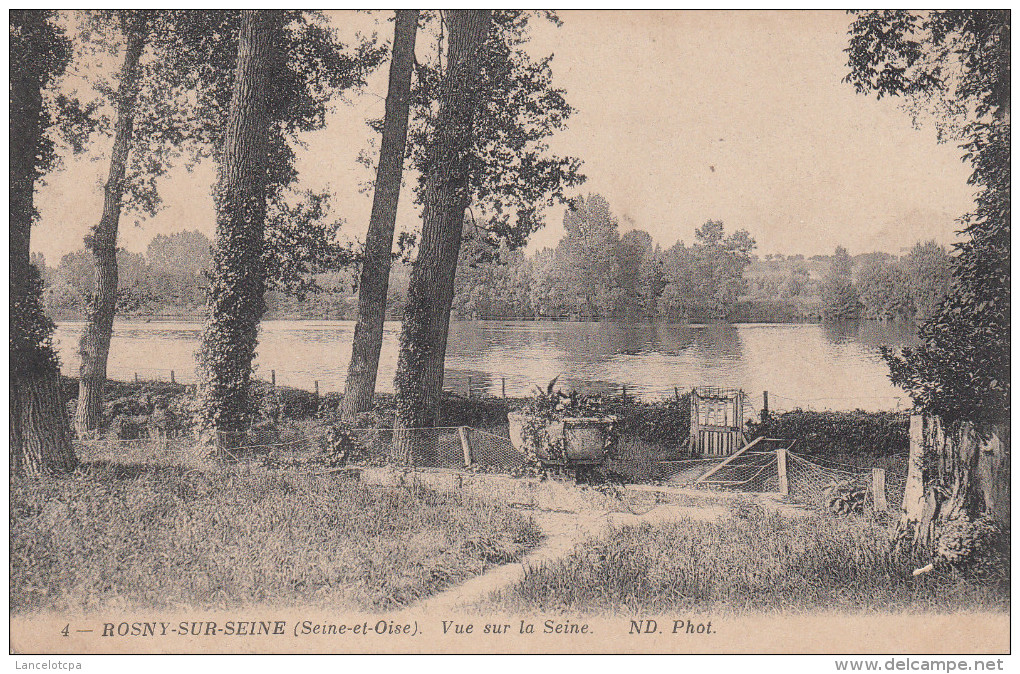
913, 493
316, 391
172, 380
504, 387
465, 442
469, 386
136, 377
784, 481
624, 393
878, 489
272, 377
764, 407
695, 440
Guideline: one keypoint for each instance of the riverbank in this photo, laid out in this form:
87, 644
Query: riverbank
818, 366
649, 431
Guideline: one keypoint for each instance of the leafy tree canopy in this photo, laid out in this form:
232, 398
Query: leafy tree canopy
185, 88
954, 65
513, 176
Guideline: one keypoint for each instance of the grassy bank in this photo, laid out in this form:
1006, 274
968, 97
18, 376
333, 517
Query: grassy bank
752, 563
161, 537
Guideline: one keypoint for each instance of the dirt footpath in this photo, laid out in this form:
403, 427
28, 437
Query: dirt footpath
563, 531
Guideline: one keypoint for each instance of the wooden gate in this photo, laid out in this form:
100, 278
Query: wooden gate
717, 421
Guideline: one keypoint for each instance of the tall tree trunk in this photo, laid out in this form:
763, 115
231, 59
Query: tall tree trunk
238, 281
40, 432
419, 379
375, 271
94, 345
956, 474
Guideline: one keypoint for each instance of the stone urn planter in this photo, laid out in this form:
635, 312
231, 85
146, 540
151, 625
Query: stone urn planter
570, 441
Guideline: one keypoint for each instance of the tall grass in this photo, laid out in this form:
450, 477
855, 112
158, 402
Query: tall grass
155, 537
755, 562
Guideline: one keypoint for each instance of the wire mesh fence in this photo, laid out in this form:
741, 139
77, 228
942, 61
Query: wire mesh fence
751, 471
684, 472
492, 450
455, 447
481, 384
837, 489
895, 486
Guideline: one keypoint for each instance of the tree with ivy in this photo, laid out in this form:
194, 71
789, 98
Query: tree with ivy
40, 433
484, 110
168, 59
375, 267
168, 104
289, 66
953, 69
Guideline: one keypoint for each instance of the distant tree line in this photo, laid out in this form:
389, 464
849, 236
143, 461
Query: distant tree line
883, 287
594, 272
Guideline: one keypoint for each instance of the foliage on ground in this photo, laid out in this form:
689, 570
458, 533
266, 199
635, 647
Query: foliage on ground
752, 563
160, 537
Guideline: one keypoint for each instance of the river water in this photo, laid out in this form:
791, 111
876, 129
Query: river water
817, 366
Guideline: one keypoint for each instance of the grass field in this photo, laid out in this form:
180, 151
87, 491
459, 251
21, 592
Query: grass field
162, 537
752, 563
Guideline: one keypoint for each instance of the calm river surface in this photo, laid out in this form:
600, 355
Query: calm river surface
817, 366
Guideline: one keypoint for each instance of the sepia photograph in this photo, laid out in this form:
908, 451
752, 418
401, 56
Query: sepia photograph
487, 331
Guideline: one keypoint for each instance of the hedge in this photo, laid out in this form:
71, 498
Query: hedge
857, 432
666, 423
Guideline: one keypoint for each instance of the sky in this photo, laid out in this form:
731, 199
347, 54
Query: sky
680, 117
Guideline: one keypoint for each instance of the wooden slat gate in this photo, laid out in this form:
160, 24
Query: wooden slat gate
717, 421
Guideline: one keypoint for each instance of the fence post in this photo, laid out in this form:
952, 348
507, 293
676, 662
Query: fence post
465, 443
172, 380
764, 407
272, 377
624, 394
469, 386
504, 387
784, 481
921, 435
676, 392
316, 390
878, 489
136, 377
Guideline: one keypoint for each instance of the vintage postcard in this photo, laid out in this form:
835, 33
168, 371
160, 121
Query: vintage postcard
506, 331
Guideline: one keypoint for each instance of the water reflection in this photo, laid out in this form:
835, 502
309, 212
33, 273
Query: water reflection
810, 365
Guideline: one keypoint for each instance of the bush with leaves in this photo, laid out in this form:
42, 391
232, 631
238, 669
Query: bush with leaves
667, 422
544, 413
952, 67
844, 497
341, 448
857, 432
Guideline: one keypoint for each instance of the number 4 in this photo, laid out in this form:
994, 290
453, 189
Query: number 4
67, 630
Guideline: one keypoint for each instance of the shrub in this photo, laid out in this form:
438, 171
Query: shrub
292, 403
667, 422
340, 448
844, 497
858, 432
764, 311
